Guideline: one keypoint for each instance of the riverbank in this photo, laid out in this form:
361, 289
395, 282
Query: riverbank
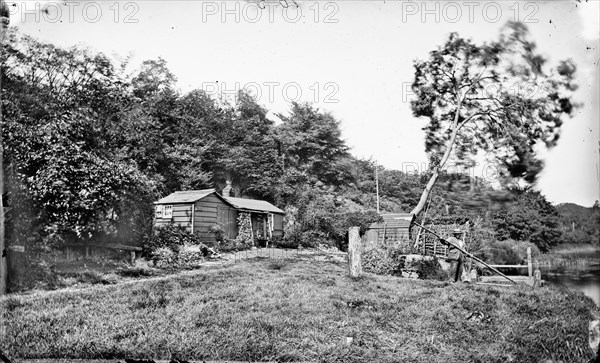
571, 255
299, 310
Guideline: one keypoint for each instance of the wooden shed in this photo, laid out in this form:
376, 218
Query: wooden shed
200, 210
392, 228
266, 219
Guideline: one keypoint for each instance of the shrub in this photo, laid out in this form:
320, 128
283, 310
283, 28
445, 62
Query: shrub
163, 257
382, 260
170, 236
427, 269
190, 258
502, 253
230, 245
286, 243
135, 272
184, 256
313, 239
520, 249
219, 232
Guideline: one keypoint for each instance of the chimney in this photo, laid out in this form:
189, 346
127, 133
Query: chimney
227, 189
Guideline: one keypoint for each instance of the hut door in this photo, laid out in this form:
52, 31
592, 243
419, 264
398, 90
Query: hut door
223, 219
227, 220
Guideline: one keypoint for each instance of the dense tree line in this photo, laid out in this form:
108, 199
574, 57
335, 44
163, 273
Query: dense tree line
89, 147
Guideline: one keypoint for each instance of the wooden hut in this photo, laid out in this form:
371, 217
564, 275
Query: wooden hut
266, 219
392, 228
200, 210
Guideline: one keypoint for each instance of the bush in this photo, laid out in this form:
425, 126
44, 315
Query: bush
384, 260
313, 239
219, 232
163, 257
234, 245
170, 236
502, 253
286, 243
185, 256
427, 269
135, 272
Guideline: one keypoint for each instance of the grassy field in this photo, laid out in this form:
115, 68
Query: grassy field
297, 310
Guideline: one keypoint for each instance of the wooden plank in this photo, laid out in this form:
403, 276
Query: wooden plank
182, 215
110, 246
209, 222
205, 214
212, 198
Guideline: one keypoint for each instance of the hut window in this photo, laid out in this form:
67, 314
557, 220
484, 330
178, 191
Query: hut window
168, 212
164, 211
159, 211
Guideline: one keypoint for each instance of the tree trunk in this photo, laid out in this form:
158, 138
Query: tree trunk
436, 173
3, 268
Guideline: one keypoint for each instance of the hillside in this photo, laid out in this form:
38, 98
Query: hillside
580, 224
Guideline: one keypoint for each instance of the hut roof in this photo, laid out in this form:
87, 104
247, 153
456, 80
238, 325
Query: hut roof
395, 220
186, 196
253, 205
192, 196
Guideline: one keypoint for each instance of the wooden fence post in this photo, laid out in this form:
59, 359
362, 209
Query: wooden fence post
529, 262
354, 252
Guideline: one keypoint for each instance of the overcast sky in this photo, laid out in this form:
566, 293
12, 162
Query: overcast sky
353, 58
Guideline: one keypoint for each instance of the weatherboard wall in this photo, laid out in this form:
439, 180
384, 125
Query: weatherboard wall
182, 216
210, 211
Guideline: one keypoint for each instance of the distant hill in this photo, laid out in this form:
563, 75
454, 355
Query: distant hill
580, 224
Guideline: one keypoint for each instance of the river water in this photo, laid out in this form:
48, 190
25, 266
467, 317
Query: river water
578, 278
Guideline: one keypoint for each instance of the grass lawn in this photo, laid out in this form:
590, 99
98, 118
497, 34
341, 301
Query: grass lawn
297, 310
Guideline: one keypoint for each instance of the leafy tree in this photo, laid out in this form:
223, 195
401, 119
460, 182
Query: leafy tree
499, 98
530, 217
310, 142
62, 107
251, 158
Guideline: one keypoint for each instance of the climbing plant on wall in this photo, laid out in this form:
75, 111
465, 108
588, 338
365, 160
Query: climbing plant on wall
244, 229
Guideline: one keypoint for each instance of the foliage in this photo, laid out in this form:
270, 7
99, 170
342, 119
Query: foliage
427, 269
172, 237
233, 245
311, 143
530, 217
502, 253
383, 260
498, 98
579, 224
88, 148
244, 223
219, 232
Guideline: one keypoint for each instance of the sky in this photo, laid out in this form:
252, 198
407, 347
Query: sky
351, 58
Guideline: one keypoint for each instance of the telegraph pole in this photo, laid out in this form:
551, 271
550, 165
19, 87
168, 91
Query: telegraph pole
377, 184
4, 21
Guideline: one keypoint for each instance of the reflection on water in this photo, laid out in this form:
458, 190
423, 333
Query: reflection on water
575, 278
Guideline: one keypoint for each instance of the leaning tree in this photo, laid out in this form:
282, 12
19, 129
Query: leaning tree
499, 99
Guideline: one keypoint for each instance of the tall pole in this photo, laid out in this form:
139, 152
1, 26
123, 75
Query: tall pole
377, 184
4, 21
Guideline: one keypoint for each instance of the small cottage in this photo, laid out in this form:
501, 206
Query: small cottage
392, 228
199, 211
